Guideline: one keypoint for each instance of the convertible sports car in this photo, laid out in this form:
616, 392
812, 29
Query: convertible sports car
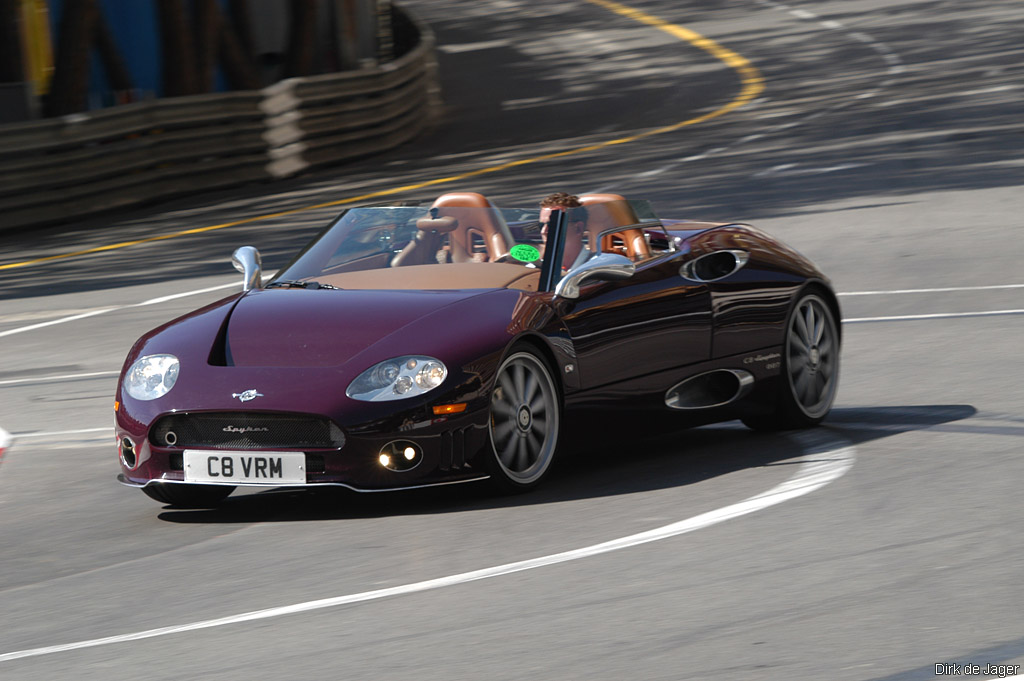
411, 345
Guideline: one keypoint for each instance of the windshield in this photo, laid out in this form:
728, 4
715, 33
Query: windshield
464, 247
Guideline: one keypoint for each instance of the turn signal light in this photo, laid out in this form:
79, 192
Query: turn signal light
443, 409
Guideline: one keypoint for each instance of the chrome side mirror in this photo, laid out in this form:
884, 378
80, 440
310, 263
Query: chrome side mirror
604, 267
247, 261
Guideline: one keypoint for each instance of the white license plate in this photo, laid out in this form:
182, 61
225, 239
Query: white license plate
248, 468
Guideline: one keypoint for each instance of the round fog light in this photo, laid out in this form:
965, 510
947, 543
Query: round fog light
400, 455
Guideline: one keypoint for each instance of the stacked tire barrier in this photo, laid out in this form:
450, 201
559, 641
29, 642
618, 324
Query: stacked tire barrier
64, 168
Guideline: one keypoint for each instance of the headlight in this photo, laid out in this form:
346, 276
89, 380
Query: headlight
398, 378
151, 376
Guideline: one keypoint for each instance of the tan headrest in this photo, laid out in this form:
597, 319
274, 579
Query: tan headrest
441, 225
462, 200
618, 212
600, 198
475, 213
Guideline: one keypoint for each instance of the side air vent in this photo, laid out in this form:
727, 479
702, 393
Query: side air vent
711, 389
453, 449
128, 454
714, 266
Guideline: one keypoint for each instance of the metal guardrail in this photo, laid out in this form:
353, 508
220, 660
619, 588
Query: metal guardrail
83, 164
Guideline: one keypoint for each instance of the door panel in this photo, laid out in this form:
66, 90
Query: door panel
652, 321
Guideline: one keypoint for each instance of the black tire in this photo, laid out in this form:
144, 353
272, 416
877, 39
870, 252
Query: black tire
188, 496
525, 421
809, 374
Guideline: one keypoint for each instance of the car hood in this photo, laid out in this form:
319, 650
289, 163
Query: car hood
300, 348
323, 327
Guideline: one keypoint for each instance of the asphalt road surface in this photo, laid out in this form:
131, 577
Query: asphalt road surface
885, 141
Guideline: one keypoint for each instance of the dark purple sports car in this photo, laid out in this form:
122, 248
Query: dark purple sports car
412, 345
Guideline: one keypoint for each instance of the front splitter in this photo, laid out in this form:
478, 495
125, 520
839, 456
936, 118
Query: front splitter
309, 485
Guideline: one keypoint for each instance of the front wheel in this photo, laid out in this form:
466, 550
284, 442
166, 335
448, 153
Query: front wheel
810, 368
524, 421
188, 496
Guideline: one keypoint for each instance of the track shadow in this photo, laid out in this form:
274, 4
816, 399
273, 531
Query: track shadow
644, 464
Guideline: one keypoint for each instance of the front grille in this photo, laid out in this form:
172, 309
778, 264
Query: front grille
246, 430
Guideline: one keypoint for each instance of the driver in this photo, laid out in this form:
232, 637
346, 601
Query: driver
575, 251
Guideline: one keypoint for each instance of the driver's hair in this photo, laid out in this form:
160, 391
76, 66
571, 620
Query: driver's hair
560, 200
565, 201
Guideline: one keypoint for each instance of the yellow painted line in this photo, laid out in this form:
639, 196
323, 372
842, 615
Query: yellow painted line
750, 78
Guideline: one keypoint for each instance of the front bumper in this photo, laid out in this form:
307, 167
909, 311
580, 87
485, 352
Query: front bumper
448, 452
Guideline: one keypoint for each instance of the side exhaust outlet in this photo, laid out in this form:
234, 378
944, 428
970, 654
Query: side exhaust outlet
715, 388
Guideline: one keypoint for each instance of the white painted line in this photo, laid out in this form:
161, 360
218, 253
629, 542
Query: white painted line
152, 301
816, 470
58, 377
938, 315
19, 436
40, 315
949, 289
33, 327
175, 296
803, 14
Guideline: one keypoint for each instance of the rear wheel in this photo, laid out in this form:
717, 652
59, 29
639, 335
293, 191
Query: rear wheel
188, 496
810, 368
525, 420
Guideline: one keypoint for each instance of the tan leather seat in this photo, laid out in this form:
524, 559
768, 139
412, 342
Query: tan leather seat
423, 248
475, 217
615, 211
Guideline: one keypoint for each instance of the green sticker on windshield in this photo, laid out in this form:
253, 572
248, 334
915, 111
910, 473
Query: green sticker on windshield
525, 253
